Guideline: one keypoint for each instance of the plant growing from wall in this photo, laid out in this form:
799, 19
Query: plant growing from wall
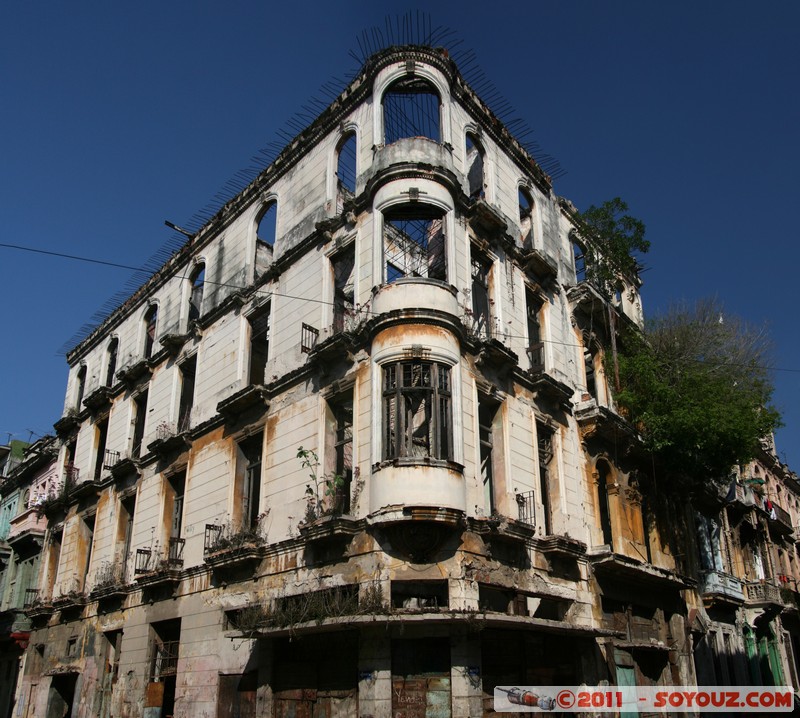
321, 492
696, 384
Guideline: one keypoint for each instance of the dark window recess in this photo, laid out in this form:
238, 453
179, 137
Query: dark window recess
165, 650
81, 387
176, 485
544, 440
343, 415
417, 410
481, 314
111, 361
308, 338
603, 476
250, 453
101, 433
126, 514
591, 380
474, 168
487, 417
414, 242
259, 345
196, 298
420, 595
533, 307
343, 289
411, 109
150, 324
88, 536
188, 371
140, 414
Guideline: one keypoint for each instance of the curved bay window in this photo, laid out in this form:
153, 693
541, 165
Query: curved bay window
417, 410
414, 242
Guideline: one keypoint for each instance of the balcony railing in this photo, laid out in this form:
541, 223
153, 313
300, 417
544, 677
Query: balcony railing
760, 593
536, 356
175, 552
527, 508
308, 338
144, 561
112, 458
165, 660
212, 538
31, 594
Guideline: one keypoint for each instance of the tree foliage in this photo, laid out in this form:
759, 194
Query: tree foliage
611, 240
696, 384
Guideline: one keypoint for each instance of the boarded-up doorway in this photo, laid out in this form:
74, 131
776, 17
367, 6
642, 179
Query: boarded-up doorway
421, 678
316, 677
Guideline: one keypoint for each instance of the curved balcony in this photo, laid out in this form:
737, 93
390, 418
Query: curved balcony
412, 157
396, 487
410, 295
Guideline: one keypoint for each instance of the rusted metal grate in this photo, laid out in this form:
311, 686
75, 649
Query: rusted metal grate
175, 552
212, 537
144, 561
165, 660
308, 338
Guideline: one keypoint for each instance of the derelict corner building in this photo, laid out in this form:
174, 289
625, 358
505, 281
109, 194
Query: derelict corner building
402, 293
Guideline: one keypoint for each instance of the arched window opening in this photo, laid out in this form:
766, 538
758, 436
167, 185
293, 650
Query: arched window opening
81, 387
411, 109
196, 298
474, 167
111, 361
150, 323
265, 237
525, 202
346, 168
604, 478
414, 242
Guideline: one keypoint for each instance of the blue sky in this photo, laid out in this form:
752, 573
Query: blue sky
118, 116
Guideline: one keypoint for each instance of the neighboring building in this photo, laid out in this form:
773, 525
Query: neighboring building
749, 630
25, 478
352, 450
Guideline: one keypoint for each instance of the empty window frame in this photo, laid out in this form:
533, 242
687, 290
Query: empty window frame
111, 361
85, 547
343, 264
590, 372
490, 442
474, 166
174, 490
247, 498
533, 316
605, 478
339, 449
150, 326
411, 108
525, 201
127, 511
101, 437
417, 410
198, 280
481, 271
188, 370
139, 418
545, 444
259, 345
414, 242
346, 168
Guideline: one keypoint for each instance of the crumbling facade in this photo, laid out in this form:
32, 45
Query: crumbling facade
352, 449
26, 474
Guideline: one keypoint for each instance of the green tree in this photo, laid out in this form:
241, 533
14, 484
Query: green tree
611, 238
697, 386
